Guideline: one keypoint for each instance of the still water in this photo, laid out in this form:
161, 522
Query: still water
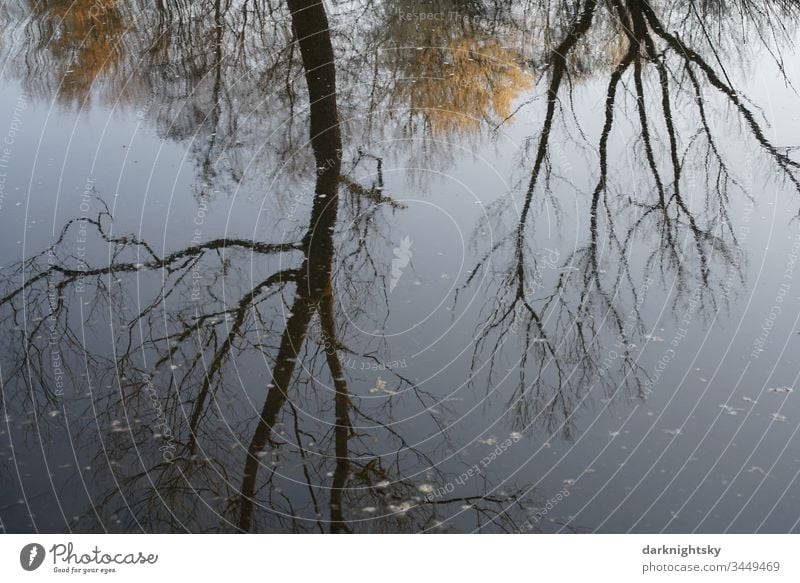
378, 266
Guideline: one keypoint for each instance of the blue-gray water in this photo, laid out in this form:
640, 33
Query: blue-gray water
530, 268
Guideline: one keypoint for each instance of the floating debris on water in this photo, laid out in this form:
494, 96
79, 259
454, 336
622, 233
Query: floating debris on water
730, 410
401, 508
380, 387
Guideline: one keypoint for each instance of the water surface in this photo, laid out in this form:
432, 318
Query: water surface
399, 267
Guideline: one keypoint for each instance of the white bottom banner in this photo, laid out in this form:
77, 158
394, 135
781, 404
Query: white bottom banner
389, 558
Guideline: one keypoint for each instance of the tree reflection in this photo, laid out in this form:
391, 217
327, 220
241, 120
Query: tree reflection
307, 450
195, 481
690, 245
450, 77
71, 46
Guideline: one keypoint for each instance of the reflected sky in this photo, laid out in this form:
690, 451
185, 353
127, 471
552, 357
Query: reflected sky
399, 267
